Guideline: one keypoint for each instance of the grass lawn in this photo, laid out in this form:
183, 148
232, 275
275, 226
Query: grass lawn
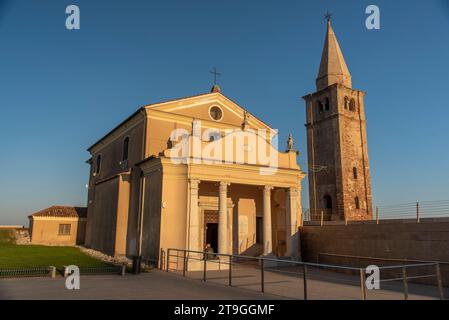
14, 256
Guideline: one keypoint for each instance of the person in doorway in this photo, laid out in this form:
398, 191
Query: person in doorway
209, 251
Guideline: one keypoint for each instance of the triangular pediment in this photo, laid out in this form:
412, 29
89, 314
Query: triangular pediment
199, 107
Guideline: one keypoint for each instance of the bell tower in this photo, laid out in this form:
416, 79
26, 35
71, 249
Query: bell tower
339, 173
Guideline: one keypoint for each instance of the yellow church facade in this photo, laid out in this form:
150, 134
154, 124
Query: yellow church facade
189, 173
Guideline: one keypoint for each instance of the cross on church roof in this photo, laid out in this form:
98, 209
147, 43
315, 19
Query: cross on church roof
328, 15
215, 73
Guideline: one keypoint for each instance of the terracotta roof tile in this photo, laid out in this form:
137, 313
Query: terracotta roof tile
62, 212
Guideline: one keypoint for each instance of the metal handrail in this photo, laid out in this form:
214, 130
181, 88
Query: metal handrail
262, 260
409, 265
299, 263
377, 258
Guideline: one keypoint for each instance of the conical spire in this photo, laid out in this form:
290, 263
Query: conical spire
333, 67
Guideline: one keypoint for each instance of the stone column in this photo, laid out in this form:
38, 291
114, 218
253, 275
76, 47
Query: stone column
195, 223
291, 236
267, 234
223, 218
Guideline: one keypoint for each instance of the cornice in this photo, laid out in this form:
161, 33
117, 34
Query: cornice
129, 124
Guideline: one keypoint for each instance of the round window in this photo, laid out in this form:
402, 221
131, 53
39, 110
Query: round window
216, 113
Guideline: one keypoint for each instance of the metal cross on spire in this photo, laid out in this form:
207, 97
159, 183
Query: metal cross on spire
328, 15
216, 74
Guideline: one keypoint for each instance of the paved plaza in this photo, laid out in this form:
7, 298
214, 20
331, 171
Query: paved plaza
287, 284
148, 286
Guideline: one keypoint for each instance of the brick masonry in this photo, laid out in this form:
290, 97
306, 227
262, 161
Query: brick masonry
339, 172
396, 239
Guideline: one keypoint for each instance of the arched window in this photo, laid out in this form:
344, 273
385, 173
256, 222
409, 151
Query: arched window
346, 103
357, 202
354, 173
320, 107
352, 105
125, 153
98, 164
328, 202
326, 105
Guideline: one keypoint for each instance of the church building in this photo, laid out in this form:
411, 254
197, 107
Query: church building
193, 172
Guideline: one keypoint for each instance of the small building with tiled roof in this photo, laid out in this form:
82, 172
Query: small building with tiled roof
58, 225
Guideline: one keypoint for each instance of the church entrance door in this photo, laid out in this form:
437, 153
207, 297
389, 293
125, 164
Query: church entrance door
211, 229
212, 235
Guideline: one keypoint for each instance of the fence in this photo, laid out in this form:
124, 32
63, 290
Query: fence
27, 272
113, 269
416, 210
298, 280
34, 272
412, 272
405, 270
413, 210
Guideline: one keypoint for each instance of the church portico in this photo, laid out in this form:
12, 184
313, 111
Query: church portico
245, 219
230, 207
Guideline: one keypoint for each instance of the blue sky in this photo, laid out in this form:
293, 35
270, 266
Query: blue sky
62, 90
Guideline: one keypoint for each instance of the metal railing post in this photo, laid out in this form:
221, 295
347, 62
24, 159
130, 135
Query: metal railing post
230, 271
204, 266
184, 265
162, 260
52, 272
305, 280
167, 267
377, 215
362, 283
262, 276
439, 282
404, 279
417, 212
322, 218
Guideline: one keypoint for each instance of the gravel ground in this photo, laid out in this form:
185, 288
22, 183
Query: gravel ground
103, 257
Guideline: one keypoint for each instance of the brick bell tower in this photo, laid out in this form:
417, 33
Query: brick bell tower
339, 173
